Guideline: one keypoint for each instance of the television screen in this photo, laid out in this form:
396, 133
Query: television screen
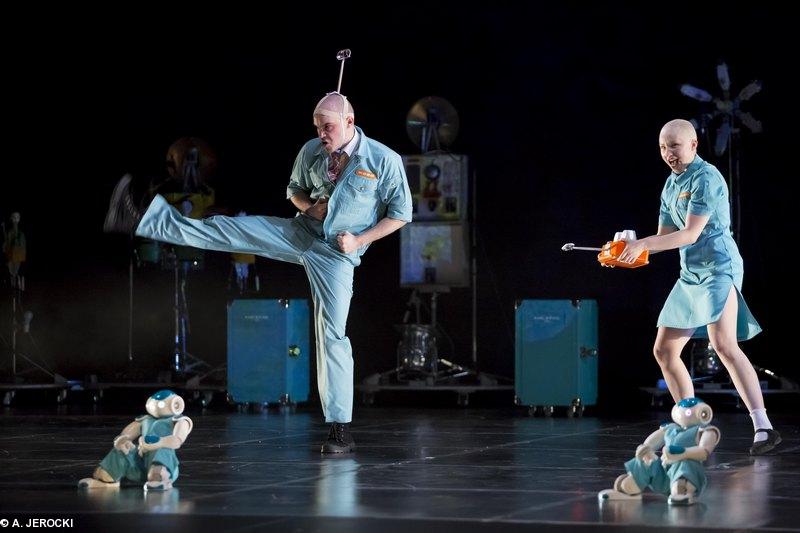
434, 254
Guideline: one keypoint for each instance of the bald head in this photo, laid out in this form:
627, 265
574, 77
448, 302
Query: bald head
679, 128
678, 144
334, 105
334, 120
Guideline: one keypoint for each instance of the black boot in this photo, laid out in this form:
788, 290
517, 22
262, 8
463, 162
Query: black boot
764, 446
124, 213
339, 439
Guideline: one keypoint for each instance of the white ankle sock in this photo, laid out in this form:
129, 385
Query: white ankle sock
760, 421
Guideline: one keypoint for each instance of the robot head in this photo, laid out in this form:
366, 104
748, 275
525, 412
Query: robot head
15, 217
164, 403
692, 412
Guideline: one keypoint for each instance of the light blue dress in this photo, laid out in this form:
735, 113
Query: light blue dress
711, 265
372, 186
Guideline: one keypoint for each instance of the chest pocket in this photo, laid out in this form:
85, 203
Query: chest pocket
360, 195
318, 177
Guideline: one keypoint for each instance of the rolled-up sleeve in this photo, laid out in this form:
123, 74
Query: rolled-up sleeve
395, 192
707, 189
298, 181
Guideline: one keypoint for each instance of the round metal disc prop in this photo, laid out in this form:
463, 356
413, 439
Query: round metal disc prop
432, 123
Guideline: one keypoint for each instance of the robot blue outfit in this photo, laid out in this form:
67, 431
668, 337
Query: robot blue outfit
145, 449
342, 211
685, 443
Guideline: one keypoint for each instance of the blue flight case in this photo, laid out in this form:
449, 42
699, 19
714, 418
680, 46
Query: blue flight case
268, 351
556, 355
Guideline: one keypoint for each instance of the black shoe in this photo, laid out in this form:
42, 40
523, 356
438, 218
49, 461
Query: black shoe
764, 446
123, 213
339, 439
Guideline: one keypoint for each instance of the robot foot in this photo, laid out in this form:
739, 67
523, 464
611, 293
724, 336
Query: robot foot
92, 483
615, 495
157, 486
681, 499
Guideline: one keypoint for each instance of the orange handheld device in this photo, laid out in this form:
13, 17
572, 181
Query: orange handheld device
609, 256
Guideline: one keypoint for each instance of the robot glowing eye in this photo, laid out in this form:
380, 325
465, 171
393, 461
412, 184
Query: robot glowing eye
688, 412
161, 405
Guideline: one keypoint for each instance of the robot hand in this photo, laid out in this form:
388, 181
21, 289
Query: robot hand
148, 444
645, 453
672, 454
123, 444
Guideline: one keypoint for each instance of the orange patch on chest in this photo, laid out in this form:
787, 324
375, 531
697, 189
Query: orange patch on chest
366, 174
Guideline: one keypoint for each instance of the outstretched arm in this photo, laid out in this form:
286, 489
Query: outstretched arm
666, 239
663, 230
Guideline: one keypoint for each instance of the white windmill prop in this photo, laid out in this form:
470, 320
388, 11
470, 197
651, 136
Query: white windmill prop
727, 111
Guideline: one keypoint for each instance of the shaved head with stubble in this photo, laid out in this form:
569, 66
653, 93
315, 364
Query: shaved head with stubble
678, 144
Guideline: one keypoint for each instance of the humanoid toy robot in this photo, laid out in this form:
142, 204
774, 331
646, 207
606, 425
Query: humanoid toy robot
145, 450
679, 472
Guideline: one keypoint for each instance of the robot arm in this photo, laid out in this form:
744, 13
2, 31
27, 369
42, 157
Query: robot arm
124, 441
180, 432
708, 440
166, 404
646, 450
688, 413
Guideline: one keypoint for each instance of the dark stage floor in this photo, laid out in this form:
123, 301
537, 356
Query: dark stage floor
433, 470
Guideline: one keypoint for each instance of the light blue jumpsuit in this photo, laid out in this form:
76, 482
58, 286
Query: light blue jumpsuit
658, 478
712, 264
133, 467
372, 186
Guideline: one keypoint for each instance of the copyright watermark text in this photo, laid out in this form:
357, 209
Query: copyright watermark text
37, 522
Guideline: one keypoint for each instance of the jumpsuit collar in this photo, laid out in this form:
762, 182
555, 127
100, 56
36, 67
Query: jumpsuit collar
693, 167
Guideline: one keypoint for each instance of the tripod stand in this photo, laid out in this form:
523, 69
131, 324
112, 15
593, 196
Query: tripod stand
419, 363
14, 252
17, 312
25, 378
418, 351
183, 362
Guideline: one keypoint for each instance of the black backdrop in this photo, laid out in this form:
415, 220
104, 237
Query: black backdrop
560, 109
